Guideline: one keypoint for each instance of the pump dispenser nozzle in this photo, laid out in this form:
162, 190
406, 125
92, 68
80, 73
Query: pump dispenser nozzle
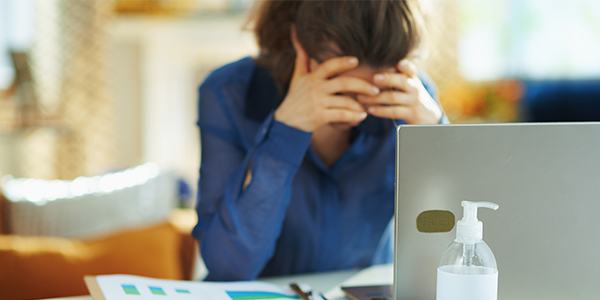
469, 229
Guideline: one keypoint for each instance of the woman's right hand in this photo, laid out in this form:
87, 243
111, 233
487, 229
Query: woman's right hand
316, 98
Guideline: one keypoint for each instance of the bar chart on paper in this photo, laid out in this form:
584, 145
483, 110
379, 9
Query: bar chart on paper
126, 287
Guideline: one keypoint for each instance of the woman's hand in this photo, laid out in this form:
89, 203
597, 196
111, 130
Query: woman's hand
315, 98
403, 97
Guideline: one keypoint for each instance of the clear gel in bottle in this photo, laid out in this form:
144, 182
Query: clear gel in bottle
468, 270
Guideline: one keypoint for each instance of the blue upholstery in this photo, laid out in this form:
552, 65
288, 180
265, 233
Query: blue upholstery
561, 101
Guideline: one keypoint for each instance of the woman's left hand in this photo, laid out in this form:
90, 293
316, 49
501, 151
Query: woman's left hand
403, 97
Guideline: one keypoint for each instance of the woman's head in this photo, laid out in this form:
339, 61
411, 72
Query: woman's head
379, 33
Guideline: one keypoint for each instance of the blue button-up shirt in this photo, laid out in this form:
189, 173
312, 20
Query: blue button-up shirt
297, 215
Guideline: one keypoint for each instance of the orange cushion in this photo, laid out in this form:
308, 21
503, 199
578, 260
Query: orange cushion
43, 267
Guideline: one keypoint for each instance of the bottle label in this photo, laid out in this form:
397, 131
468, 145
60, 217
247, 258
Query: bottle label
466, 283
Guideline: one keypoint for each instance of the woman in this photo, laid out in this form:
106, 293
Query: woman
297, 164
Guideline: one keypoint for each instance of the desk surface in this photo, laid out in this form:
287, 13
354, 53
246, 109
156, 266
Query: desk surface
325, 282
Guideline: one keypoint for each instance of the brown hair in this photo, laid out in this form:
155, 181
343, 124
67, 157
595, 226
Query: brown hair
378, 32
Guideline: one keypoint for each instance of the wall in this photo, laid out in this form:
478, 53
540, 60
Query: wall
161, 62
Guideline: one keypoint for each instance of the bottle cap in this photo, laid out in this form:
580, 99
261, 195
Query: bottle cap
469, 229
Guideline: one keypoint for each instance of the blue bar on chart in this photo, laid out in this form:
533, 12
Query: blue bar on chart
258, 295
130, 289
155, 290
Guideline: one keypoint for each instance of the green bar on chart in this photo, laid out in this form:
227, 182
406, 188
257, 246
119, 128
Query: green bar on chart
182, 291
155, 290
130, 289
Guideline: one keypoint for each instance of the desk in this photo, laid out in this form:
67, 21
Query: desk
329, 282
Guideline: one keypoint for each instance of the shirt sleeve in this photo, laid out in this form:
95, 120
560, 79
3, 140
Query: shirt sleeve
430, 88
238, 227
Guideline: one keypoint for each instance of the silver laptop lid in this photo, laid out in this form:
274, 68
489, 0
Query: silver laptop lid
546, 179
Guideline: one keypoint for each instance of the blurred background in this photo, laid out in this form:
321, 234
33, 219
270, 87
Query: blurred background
98, 108
93, 86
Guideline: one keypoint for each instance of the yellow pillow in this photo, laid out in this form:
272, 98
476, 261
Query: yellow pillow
43, 267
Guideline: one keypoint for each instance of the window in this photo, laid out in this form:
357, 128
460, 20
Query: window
16, 32
537, 39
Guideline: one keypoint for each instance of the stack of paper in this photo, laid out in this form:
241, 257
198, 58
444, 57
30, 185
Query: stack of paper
126, 287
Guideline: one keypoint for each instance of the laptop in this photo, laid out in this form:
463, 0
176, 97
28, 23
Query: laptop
546, 179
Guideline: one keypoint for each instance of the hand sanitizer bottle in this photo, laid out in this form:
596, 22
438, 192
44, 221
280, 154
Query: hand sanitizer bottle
468, 269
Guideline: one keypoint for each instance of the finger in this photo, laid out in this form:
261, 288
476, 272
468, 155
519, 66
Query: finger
336, 115
394, 81
350, 85
388, 98
335, 66
341, 102
407, 68
345, 125
302, 60
391, 112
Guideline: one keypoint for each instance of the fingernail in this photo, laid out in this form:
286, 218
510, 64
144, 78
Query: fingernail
379, 77
363, 115
352, 61
374, 91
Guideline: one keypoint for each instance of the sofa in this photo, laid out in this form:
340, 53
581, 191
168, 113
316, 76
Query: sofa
54, 232
561, 100
34, 267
